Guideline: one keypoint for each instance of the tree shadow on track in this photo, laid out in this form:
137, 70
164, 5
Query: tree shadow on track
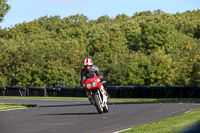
155, 102
91, 113
112, 103
78, 104
67, 105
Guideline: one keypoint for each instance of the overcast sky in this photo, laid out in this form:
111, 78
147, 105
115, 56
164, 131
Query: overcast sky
28, 10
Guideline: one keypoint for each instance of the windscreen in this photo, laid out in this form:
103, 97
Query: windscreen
90, 75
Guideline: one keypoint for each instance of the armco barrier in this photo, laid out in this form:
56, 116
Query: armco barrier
15, 91
52, 92
114, 91
174, 91
36, 91
142, 92
192, 92
158, 91
66, 92
2, 91
126, 91
79, 92
182, 92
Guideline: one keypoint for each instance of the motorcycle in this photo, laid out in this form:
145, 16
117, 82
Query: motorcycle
96, 92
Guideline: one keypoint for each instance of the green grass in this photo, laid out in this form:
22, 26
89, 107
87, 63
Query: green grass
154, 99
46, 98
111, 99
169, 125
6, 106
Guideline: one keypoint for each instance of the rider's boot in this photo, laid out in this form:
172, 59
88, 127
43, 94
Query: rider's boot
107, 94
104, 83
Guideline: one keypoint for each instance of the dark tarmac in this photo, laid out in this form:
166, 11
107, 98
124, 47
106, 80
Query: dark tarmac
63, 116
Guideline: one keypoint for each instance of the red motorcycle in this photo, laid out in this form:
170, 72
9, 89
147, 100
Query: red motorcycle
96, 92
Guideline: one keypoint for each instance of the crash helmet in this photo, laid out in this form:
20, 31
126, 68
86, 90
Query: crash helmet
88, 63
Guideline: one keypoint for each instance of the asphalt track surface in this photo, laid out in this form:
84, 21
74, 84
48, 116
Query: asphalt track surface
59, 116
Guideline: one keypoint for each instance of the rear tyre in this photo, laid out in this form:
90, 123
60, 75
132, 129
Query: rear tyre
98, 103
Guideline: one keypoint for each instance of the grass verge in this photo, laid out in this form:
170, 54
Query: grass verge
46, 98
111, 99
169, 125
6, 106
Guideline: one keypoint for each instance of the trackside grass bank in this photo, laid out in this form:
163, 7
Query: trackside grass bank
111, 99
7, 106
170, 125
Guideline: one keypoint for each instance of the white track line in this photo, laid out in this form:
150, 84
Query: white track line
122, 130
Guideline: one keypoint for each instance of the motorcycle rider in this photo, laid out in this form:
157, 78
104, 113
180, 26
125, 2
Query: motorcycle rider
89, 68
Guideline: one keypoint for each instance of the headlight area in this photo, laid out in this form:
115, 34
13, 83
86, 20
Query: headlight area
94, 83
89, 85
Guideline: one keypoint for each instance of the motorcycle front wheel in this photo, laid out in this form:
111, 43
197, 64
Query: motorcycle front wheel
105, 109
98, 103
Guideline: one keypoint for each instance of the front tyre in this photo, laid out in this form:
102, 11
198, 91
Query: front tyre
98, 103
105, 109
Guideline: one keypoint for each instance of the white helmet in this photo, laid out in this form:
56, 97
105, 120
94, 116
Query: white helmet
88, 62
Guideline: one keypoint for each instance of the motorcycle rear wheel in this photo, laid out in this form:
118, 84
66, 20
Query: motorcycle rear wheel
98, 103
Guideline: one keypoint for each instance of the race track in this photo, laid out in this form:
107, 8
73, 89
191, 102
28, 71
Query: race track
57, 116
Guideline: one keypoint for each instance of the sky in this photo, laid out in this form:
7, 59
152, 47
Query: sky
29, 10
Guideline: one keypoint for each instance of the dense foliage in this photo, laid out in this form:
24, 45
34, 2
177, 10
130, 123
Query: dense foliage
148, 48
4, 7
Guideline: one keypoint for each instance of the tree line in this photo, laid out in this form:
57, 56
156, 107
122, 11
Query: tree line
148, 48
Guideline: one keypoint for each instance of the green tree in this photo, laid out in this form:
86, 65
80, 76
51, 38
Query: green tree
150, 48
4, 8
160, 70
103, 19
195, 73
105, 39
132, 32
152, 70
121, 18
155, 36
